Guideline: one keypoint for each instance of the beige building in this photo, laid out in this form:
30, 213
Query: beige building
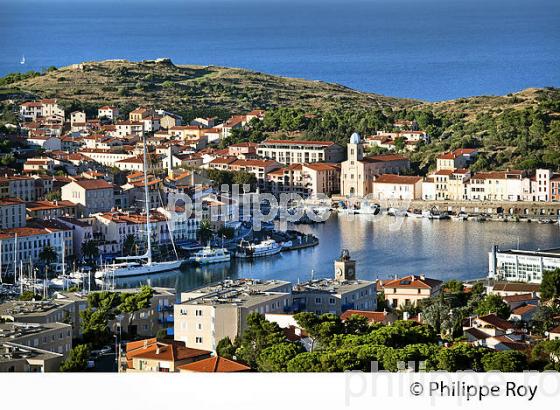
511, 185
388, 186
207, 315
407, 291
451, 184
358, 172
91, 195
16, 358
77, 117
321, 178
299, 152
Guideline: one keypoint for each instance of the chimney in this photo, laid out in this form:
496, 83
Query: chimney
406, 315
422, 277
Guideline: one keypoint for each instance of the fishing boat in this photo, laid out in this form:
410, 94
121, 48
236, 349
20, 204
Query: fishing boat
142, 264
435, 213
461, 216
209, 255
248, 250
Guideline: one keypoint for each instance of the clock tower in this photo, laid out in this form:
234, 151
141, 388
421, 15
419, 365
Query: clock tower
344, 267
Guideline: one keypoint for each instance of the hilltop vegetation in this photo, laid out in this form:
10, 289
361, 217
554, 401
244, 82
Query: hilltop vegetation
520, 130
187, 87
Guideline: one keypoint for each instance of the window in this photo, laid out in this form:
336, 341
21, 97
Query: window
198, 340
198, 312
317, 300
332, 301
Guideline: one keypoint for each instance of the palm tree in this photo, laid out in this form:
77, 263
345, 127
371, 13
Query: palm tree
90, 252
205, 231
48, 256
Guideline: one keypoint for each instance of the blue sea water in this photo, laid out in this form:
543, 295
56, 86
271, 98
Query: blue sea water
427, 49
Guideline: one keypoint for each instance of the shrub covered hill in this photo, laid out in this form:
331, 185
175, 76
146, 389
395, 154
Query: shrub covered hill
520, 130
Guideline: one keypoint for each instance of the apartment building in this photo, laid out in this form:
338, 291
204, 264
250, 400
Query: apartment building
512, 185
300, 151
258, 167
31, 111
105, 156
129, 128
38, 165
207, 315
22, 187
321, 178
450, 184
408, 290
12, 213
16, 358
54, 337
91, 195
50, 209
30, 241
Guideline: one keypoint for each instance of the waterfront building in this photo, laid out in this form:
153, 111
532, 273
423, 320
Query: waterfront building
408, 290
91, 195
517, 265
513, 185
208, 314
300, 151
358, 172
449, 184
388, 186
321, 178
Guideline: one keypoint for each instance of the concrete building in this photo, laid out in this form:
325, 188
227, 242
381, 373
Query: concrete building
358, 172
517, 265
207, 315
22, 187
511, 185
16, 358
321, 178
50, 209
300, 152
408, 290
54, 337
91, 195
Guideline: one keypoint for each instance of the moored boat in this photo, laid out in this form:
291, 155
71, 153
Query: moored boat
247, 250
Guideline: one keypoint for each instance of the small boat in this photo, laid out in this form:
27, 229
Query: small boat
461, 216
396, 212
414, 213
211, 255
347, 211
435, 213
247, 250
369, 209
546, 221
22, 60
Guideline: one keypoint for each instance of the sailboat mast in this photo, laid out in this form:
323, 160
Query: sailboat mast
64, 284
147, 195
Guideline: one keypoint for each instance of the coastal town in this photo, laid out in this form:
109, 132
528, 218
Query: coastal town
85, 200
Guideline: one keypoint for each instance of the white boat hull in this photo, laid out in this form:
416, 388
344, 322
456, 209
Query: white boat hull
139, 270
210, 259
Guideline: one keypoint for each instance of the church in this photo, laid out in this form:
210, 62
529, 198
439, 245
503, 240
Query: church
358, 171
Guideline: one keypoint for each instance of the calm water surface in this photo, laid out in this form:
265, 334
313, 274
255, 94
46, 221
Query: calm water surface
427, 49
439, 249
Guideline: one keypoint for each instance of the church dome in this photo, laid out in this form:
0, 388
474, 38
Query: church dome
355, 138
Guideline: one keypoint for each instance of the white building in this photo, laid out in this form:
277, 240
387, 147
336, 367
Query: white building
91, 195
521, 265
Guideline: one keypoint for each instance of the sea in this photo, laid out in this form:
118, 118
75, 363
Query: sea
426, 49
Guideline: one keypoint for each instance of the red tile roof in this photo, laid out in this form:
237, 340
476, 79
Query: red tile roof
377, 317
215, 364
397, 179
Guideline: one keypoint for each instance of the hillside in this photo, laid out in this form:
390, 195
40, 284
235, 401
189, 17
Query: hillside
165, 84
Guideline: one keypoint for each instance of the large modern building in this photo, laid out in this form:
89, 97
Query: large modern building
300, 152
207, 315
517, 265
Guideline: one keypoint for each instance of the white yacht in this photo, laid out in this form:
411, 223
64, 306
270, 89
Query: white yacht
369, 209
143, 264
209, 255
247, 250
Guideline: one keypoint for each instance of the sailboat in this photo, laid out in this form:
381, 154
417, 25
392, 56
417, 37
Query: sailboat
143, 264
22, 60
